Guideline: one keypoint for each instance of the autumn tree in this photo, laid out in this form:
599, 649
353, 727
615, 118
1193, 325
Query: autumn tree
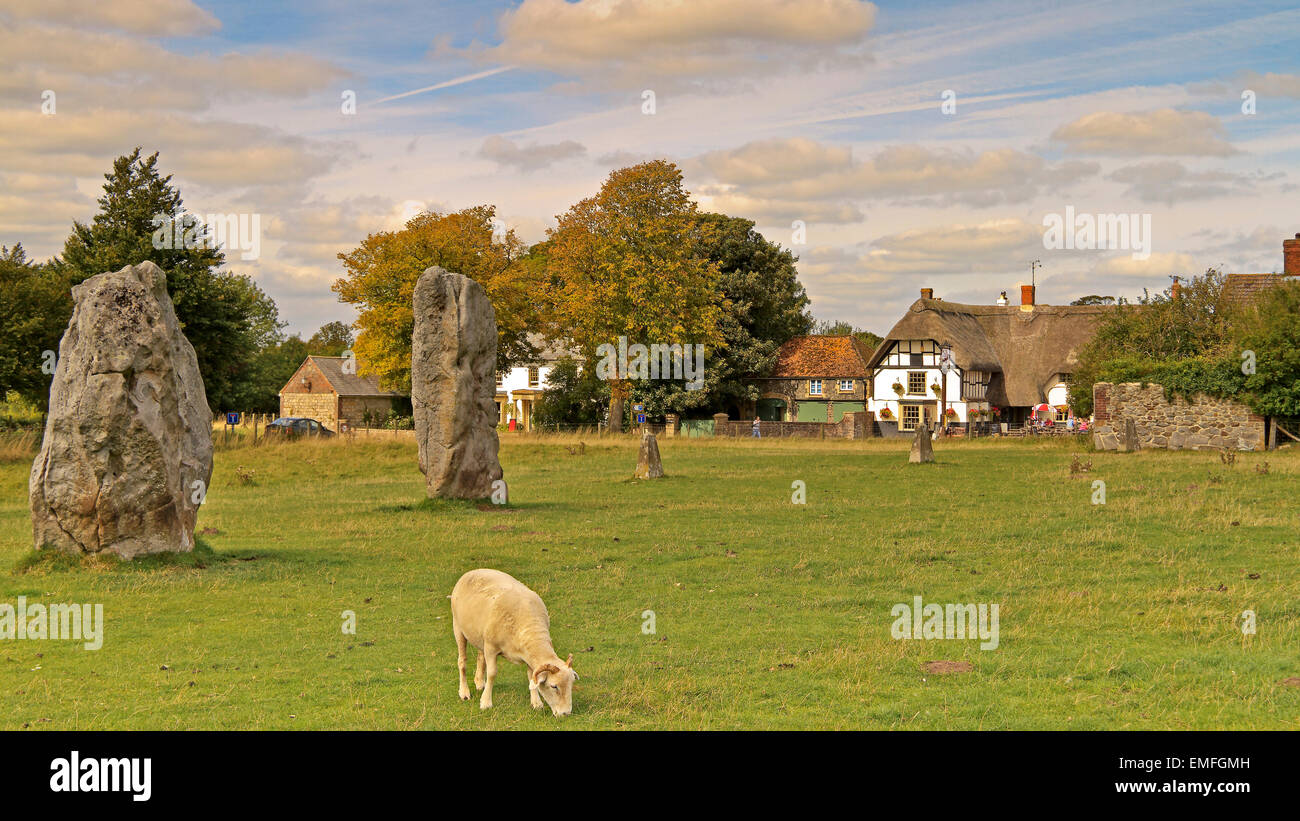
381, 276
624, 263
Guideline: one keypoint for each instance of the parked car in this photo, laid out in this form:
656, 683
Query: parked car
292, 427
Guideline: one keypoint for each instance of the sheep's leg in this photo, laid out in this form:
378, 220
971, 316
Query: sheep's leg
490, 655
534, 695
478, 673
460, 662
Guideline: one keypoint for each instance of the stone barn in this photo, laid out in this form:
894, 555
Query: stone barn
323, 389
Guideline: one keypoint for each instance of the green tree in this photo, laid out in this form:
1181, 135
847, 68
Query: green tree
274, 365
1271, 331
842, 328
1184, 343
1094, 299
573, 396
332, 339
226, 317
765, 305
35, 306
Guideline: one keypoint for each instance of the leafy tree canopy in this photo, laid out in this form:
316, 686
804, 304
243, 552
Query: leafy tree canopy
381, 276
623, 264
225, 316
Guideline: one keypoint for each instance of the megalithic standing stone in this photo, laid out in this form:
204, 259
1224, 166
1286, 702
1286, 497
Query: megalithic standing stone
453, 381
127, 453
922, 447
648, 464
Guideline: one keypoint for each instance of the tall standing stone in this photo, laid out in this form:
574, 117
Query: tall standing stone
648, 464
922, 447
127, 453
453, 382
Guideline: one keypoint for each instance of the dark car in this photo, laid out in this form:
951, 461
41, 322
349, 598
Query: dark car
292, 427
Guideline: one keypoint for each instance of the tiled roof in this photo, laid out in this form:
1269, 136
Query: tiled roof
1242, 288
348, 384
827, 357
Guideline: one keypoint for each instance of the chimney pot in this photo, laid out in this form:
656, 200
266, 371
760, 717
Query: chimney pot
1027, 295
927, 293
1002, 298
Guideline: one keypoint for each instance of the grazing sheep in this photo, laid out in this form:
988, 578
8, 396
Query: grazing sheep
500, 616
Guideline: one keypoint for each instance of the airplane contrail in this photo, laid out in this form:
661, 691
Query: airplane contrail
459, 80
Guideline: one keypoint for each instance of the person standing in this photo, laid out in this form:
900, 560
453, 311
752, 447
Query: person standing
756, 434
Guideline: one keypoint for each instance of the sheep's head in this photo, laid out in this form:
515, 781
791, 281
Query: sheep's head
555, 684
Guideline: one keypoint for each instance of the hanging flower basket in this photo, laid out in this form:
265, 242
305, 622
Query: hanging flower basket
886, 414
898, 388
951, 413
995, 412
936, 389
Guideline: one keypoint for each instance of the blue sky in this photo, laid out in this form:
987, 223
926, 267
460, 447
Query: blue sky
826, 112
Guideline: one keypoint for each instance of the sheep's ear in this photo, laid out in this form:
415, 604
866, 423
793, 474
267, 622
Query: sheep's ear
570, 661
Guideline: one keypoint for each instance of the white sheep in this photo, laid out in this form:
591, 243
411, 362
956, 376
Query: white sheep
500, 616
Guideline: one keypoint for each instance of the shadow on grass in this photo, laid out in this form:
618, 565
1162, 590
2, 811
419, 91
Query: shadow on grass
39, 562
461, 506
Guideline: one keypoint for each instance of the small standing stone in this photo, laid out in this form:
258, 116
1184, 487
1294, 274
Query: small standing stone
922, 447
648, 465
1130, 441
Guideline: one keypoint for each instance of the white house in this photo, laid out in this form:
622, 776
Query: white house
1008, 357
519, 388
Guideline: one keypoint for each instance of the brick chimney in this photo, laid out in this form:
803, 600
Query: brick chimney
928, 293
1027, 296
1176, 290
1291, 256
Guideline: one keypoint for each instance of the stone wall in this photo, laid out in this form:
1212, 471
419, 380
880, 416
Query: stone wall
323, 407
1206, 422
854, 425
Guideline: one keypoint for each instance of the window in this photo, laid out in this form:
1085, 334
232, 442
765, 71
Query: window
534, 377
909, 417
814, 387
914, 353
916, 383
975, 385
1067, 379
501, 379
846, 386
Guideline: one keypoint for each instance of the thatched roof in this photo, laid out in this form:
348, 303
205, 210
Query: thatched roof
1026, 349
822, 357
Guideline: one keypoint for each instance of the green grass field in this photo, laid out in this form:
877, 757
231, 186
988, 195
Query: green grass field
767, 614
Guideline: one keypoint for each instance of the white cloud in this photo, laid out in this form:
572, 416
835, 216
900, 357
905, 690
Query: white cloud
778, 173
636, 43
165, 18
1164, 132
